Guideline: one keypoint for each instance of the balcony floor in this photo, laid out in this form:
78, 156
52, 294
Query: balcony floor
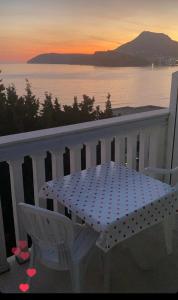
140, 265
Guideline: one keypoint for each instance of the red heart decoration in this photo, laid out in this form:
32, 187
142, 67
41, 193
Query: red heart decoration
31, 272
24, 287
22, 244
24, 255
16, 251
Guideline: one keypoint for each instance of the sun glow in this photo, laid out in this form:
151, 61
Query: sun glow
29, 28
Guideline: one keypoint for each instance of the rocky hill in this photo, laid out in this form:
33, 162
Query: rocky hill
147, 48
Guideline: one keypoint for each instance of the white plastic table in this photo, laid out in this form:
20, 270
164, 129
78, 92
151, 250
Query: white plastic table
114, 200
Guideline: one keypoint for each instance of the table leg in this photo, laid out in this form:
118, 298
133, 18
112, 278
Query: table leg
107, 272
168, 225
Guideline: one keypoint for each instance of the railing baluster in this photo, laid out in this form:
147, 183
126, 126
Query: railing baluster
75, 158
17, 191
131, 150
57, 171
153, 149
4, 266
143, 149
75, 166
91, 154
106, 150
161, 145
172, 132
120, 149
156, 154
38, 163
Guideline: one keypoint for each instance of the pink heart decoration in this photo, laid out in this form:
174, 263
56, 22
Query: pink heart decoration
22, 244
24, 287
31, 272
24, 255
16, 251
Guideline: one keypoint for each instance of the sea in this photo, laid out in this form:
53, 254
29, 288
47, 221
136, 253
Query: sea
128, 86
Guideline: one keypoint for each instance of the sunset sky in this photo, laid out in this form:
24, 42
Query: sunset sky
31, 27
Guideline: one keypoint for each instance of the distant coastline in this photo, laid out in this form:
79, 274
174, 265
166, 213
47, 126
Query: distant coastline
149, 48
127, 110
106, 59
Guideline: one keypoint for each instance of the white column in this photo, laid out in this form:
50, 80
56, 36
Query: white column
155, 150
91, 154
75, 166
131, 150
120, 149
168, 226
75, 158
143, 149
38, 163
57, 171
17, 192
172, 135
4, 266
106, 150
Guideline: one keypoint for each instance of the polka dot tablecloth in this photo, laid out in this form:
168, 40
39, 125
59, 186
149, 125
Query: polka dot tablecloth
114, 200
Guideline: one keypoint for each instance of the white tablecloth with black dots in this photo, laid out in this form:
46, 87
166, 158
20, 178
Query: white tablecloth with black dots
114, 200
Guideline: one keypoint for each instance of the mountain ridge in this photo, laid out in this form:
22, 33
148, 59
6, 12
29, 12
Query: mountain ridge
148, 47
150, 44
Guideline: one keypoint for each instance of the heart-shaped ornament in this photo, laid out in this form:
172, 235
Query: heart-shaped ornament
16, 251
31, 272
24, 287
22, 244
24, 255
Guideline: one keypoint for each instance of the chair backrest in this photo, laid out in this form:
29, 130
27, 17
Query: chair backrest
45, 226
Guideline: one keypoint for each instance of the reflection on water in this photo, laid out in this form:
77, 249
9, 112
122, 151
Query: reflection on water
127, 86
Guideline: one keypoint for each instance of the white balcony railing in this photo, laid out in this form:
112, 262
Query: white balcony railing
138, 140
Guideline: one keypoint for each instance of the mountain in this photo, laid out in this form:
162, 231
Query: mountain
108, 59
150, 45
147, 48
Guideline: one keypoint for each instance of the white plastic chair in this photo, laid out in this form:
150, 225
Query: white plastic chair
56, 242
170, 222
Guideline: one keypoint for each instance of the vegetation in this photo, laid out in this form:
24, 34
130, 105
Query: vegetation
25, 113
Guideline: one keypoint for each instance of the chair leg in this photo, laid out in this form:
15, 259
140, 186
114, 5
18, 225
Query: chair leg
101, 261
76, 277
107, 272
174, 221
168, 228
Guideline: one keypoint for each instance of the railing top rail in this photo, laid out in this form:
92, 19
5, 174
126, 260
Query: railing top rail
92, 125
47, 139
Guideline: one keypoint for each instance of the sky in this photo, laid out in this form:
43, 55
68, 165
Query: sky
31, 27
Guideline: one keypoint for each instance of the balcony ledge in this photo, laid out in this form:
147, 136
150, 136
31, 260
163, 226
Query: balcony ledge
34, 142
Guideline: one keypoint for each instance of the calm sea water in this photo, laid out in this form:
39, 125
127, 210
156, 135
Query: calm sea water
127, 86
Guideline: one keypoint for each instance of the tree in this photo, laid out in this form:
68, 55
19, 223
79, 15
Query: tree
3, 118
108, 113
86, 105
14, 111
87, 108
72, 113
98, 113
75, 105
24, 113
47, 112
31, 103
68, 115
57, 105
58, 113
76, 112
